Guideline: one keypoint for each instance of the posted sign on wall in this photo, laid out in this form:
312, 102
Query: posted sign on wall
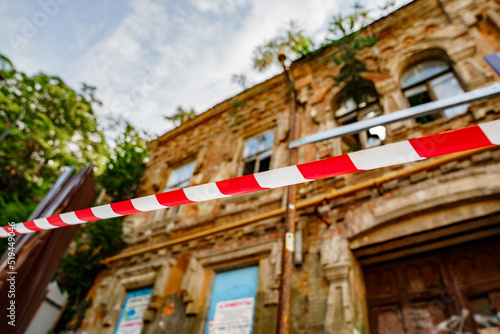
233, 316
133, 310
233, 302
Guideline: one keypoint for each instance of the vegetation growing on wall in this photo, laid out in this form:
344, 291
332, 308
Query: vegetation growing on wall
346, 34
292, 43
181, 116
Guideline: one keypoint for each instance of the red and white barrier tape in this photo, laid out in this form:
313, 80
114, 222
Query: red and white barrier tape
483, 135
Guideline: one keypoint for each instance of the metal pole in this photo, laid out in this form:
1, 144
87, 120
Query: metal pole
410, 113
289, 226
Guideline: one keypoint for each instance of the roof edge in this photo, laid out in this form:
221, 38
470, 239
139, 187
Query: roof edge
252, 91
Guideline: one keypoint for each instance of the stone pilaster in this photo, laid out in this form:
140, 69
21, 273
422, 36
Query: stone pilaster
335, 259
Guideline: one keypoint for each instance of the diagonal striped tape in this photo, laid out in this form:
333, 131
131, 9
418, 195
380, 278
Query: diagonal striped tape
478, 136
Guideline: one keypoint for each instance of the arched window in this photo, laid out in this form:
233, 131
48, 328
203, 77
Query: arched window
428, 81
350, 111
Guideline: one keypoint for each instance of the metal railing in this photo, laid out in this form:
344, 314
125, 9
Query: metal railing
401, 115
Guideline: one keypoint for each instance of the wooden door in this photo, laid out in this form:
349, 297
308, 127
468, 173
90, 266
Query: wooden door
453, 290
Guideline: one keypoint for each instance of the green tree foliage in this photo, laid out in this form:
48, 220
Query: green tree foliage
96, 241
79, 268
12, 209
45, 126
293, 44
347, 35
181, 116
126, 165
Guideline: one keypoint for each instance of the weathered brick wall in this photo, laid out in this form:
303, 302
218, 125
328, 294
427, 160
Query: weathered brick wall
459, 31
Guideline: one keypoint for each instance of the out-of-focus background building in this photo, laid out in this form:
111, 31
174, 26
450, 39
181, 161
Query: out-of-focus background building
406, 249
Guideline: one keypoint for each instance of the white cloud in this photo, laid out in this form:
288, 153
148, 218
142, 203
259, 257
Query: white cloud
199, 55
217, 6
195, 46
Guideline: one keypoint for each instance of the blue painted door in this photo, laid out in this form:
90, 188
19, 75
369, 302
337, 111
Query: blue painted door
233, 301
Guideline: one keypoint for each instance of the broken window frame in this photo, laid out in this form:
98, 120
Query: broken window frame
348, 112
428, 85
258, 156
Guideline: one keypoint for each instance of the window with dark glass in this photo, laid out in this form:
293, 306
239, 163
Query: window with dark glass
257, 153
349, 112
428, 81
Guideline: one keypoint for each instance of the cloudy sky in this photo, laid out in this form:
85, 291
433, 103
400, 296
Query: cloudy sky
146, 57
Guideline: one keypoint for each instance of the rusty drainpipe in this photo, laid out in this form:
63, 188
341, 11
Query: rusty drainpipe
287, 261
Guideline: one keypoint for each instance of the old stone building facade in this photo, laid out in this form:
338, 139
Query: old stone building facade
406, 249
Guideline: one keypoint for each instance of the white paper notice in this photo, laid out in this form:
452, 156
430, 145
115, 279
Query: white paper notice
233, 316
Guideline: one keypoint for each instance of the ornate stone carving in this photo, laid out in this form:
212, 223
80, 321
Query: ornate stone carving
335, 251
472, 73
387, 86
335, 259
112, 291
